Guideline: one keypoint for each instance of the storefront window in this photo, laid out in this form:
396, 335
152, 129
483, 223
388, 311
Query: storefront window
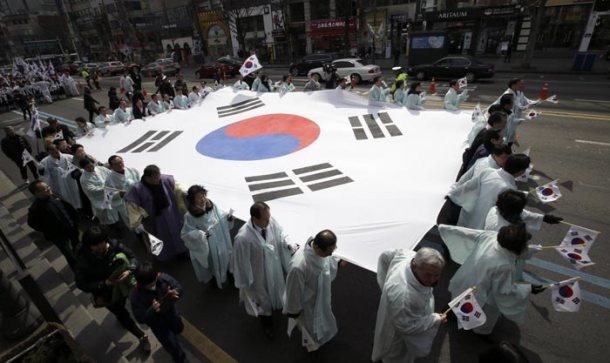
563, 26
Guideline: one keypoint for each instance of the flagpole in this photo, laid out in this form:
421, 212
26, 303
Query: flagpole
576, 278
572, 224
444, 313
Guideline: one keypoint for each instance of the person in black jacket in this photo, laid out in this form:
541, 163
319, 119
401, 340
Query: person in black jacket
113, 99
55, 218
139, 110
153, 302
136, 77
90, 102
55, 127
13, 146
96, 273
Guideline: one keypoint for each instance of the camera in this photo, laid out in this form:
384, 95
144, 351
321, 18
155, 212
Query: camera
329, 68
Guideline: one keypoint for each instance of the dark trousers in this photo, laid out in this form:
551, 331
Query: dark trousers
28, 111
91, 112
24, 170
122, 315
168, 337
67, 245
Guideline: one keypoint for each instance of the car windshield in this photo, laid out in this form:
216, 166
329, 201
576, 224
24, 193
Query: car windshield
362, 61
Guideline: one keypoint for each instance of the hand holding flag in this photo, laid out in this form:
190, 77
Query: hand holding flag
463, 82
467, 310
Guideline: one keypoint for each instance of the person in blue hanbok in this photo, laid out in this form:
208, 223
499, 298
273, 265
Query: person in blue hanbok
240, 85
155, 106
122, 114
452, 98
181, 102
400, 96
379, 91
207, 234
93, 182
121, 179
415, 101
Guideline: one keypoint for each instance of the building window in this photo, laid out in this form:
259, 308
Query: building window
321, 10
297, 12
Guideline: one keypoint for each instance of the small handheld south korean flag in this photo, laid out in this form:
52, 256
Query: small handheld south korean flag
467, 310
250, 65
532, 114
577, 256
34, 123
565, 295
156, 245
548, 192
580, 237
26, 157
59, 135
552, 99
108, 195
422, 96
463, 82
477, 113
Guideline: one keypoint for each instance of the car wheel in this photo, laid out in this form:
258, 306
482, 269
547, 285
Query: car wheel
470, 77
420, 76
294, 71
356, 77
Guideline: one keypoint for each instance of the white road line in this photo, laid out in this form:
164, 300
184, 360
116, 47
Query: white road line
586, 100
593, 142
11, 120
76, 98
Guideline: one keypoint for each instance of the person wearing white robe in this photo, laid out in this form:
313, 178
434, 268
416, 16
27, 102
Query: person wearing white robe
286, 85
488, 262
313, 84
400, 95
43, 86
194, 96
68, 84
126, 83
206, 232
379, 91
155, 106
308, 290
256, 82
478, 195
55, 170
452, 99
406, 322
122, 114
181, 102
121, 178
414, 100
261, 257
93, 182
240, 85
103, 119
495, 161
82, 127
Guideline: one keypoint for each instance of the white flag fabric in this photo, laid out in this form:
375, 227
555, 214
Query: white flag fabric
59, 135
467, 310
251, 64
314, 158
156, 245
463, 82
477, 113
26, 157
580, 237
577, 256
548, 192
531, 114
108, 195
34, 123
553, 99
565, 296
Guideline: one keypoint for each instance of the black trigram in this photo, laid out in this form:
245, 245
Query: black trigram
296, 181
239, 107
373, 126
151, 141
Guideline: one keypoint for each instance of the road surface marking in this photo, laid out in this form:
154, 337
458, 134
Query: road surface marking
204, 345
586, 295
592, 142
595, 280
585, 100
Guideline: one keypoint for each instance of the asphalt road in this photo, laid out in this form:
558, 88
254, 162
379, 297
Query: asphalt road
569, 142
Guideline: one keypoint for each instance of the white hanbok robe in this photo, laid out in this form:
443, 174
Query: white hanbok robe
489, 267
69, 85
400, 97
241, 85
101, 121
414, 102
122, 182
520, 103
93, 184
406, 322
121, 115
181, 102
55, 173
452, 99
43, 86
477, 168
377, 93
259, 266
308, 293
155, 107
285, 88
83, 131
255, 84
311, 85
478, 195
193, 98
126, 83
211, 256
261, 88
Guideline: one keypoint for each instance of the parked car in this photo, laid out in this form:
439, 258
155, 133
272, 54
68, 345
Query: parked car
112, 68
169, 69
231, 64
453, 67
355, 67
311, 61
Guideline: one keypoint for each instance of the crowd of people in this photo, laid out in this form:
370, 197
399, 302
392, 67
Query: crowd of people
484, 224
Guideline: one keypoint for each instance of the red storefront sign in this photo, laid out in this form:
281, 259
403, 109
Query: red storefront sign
332, 27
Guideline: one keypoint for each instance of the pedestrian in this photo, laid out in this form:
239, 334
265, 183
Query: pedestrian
126, 84
519, 104
157, 202
56, 219
68, 84
55, 170
55, 128
155, 106
153, 302
13, 146
312, 85
477, 196
495, 160
103, 118
95, 77
406, 322
122, 114
379, 91
90, 103
105, 269
261, 257
308, 290
166, 87
492, 140
82, 128
488, 261
24, 104
286, 85
180, 84
121, 179
136, 77
452, 98
113, 99
415, 101
181, 102
139, 110
93, 182
85, 74
509, 52
207, 234
264, 85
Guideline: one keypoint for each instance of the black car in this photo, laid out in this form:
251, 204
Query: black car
453, 67
310, 62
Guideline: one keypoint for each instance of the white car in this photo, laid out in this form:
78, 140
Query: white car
346, 67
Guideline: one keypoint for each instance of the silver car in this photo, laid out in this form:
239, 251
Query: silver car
348, 67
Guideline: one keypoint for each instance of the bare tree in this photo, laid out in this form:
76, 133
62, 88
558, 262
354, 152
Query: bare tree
536, 10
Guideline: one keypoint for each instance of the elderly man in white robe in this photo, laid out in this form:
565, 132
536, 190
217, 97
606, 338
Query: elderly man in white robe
207, 234
68, 84
194, 96
104, 118
493, 161
478, 195
121, 178
520, 103
240, 85
308, 294
261, 257
122, 114
56, 170
406, 321
93, 182
452, 99
155, 106
488, 262
379, 91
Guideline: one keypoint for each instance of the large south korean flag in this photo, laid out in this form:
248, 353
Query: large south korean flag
374, 174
